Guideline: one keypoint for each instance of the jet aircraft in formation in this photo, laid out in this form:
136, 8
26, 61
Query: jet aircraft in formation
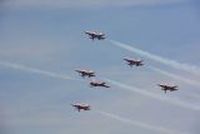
81, 106
135, 62
89, 73
86, 73
95, 35
166, 87
95, 83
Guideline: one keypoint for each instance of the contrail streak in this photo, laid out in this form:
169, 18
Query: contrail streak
177, 77
139, 124
35, 70
180, 66
155, 96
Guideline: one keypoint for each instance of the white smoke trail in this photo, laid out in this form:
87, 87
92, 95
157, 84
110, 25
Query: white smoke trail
35, 70
185, 67
155, 96
177, 77
140, 124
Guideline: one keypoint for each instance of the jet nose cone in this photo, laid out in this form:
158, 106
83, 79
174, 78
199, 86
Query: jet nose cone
125, 58
72, 105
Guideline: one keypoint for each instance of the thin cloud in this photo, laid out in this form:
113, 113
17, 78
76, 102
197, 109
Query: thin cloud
175, 76
168, 100
36, 71
170, 62
86, 3
139, 124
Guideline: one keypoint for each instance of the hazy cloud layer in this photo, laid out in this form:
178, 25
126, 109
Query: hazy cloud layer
54, 41
86, 3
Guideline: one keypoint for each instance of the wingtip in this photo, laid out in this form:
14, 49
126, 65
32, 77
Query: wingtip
76, 70
159, 85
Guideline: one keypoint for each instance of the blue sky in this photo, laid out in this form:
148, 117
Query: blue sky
49, 36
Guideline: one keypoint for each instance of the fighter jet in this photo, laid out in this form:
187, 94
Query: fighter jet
135, 62
94, 83
95, 35
165, 87
81, 106
86, 73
